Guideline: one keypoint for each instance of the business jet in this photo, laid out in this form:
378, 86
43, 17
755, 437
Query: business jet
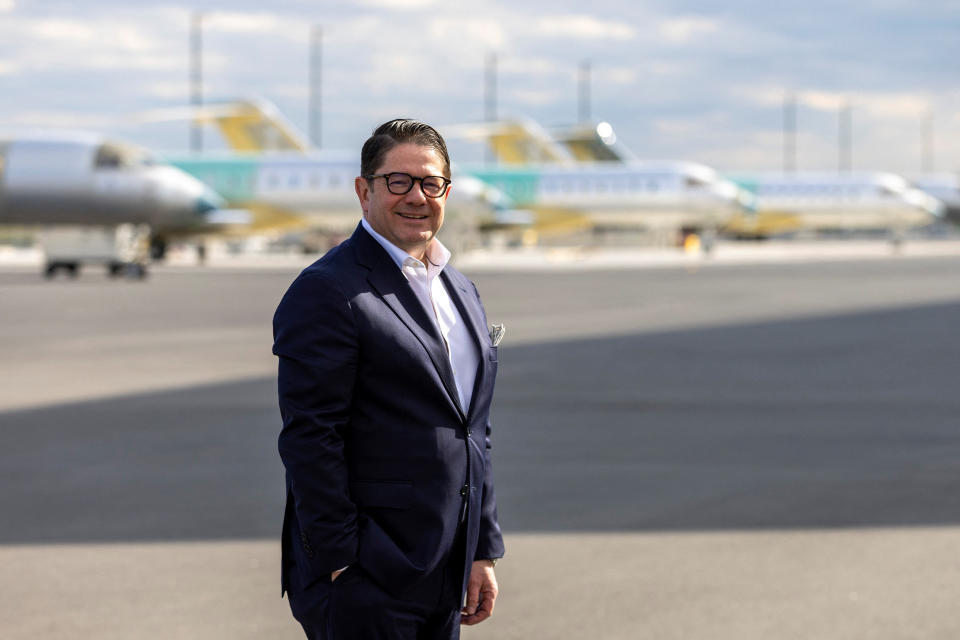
827, 201
117, 193
85, 179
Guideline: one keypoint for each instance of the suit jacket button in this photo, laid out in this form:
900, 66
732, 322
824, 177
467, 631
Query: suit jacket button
469, 433
464, 490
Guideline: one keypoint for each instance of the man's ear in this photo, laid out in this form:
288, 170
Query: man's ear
363, 193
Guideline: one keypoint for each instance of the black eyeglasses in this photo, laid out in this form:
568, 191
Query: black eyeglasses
400, 184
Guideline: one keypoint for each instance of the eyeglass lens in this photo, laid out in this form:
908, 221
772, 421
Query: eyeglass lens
401, 183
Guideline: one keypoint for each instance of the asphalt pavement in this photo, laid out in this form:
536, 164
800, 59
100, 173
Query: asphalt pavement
728, 451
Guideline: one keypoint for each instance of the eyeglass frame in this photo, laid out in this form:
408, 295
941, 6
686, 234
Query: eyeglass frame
413, 180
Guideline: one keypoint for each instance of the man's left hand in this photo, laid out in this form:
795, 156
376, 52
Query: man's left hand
481, 593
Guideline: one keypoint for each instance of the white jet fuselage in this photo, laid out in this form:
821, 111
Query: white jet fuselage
81, 179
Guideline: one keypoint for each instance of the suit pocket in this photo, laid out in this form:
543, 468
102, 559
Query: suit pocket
390, 495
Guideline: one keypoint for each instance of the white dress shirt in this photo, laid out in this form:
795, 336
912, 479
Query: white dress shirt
429, 289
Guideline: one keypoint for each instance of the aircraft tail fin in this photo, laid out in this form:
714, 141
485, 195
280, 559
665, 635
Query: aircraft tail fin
513, 141
246, 125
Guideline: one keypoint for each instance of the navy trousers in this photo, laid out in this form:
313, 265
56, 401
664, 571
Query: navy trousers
355, 607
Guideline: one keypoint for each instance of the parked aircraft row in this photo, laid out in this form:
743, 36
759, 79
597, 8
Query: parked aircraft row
273, 168
804, 200
582, 177
578, 177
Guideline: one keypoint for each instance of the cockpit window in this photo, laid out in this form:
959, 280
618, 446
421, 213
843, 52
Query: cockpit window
111, 155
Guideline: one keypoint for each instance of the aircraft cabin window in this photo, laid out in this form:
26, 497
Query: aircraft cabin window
108, 157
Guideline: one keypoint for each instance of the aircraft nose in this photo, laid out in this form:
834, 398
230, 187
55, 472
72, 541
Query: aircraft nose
207, 202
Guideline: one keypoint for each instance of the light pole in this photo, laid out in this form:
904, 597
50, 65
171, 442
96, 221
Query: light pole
196, 79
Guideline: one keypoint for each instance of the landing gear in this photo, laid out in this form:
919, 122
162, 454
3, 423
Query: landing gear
158, 247
129, 270
71, 269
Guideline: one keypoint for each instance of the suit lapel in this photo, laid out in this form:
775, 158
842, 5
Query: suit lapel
392, 287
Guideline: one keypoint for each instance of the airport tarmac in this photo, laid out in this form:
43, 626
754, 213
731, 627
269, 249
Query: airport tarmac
748, 450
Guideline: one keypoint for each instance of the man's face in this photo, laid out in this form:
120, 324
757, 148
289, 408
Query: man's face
410, 221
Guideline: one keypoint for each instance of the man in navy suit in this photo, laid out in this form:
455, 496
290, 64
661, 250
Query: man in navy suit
386, 377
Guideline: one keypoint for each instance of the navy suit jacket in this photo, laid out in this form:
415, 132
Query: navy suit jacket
382, 462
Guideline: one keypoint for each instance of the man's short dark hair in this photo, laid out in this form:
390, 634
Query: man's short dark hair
397, 132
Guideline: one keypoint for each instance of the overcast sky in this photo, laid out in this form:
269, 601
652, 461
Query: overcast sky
685, 79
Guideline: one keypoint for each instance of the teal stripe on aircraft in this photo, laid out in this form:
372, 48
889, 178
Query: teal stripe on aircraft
747, 184
520, 185
233, 178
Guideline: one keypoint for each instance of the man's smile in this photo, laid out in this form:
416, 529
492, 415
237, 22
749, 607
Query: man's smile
410, 216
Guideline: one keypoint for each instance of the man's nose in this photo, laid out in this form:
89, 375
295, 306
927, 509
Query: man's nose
416, 195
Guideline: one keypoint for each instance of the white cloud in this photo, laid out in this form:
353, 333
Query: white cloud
167, 90
400, 5
765, 96
63, 31
7, 5
8, 68
677, 127
823, 100
521, 65
112, 62
256, 23
616, 75
583, 27
63, 119
480, 32
895, 105
888, 104
683, 29
296, 91
534, 97
878, 104
97, 43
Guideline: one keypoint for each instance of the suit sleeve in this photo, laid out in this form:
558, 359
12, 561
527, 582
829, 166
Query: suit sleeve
315, 337
490, 541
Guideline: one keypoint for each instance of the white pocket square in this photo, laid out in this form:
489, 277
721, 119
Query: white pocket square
496, 333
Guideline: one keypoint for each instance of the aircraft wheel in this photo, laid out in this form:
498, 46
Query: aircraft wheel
135, 271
